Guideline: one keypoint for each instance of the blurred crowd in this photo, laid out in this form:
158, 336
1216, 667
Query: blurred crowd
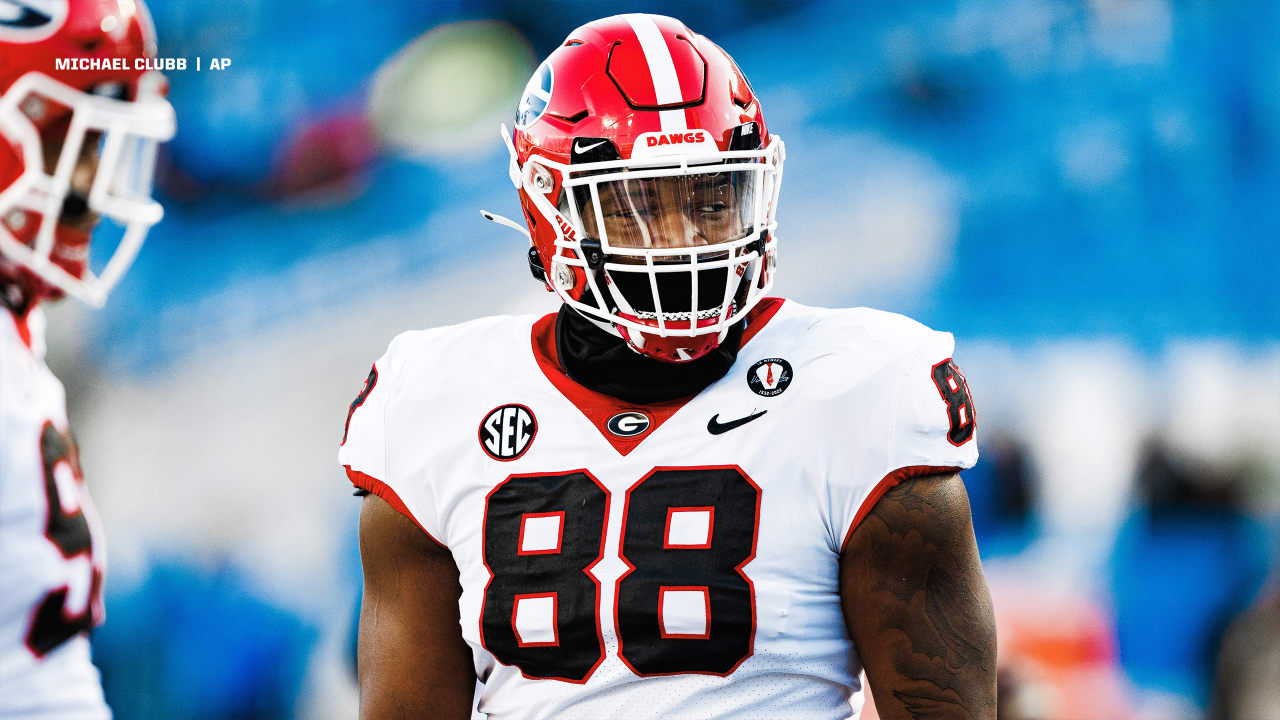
1083, 192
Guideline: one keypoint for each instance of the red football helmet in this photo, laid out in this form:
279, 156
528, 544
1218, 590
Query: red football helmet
649, 183
76, 95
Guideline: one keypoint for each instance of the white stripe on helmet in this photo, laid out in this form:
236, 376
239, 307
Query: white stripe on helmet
666, 84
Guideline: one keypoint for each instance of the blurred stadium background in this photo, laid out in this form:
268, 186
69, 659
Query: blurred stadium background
1086, 193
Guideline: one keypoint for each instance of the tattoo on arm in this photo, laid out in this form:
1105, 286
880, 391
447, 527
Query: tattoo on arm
917, 606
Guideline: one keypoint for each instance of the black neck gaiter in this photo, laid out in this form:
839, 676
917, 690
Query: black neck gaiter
604, 363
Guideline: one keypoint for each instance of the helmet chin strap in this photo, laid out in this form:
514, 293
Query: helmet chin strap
668, 350
605, 325
634, 340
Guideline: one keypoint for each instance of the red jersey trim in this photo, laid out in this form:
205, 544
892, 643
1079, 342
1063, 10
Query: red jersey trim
597, 406
760, 316
20, 324
887, 482
384, 491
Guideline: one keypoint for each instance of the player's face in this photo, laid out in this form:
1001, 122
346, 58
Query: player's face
75, 215
687, 211
75, 220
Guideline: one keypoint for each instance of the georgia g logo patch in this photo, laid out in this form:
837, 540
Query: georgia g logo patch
507, 432
629, 423
28, 21
537, 95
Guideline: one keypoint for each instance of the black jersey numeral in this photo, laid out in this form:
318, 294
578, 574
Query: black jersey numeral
955, 392
687, 533
571, 509
52, 624
662, 565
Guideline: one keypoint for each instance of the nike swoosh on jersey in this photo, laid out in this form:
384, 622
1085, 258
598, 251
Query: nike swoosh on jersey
584, 148
715, 427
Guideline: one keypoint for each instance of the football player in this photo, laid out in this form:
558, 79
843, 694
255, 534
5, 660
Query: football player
677, 496
76, 145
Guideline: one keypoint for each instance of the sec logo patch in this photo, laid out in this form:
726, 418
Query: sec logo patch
769, 377
507, 432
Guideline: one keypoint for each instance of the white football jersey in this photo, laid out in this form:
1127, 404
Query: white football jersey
671, 560
50, 552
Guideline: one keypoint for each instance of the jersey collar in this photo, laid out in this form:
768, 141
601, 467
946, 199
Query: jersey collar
599, 407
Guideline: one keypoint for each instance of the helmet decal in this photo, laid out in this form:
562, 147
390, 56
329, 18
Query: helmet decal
536, 98
27, 21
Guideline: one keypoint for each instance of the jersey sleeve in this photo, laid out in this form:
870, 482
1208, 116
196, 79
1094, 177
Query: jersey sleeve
935, 424
931, 426
369, 453
363, 448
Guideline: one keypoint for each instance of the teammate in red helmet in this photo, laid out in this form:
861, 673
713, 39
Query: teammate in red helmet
677, 496
79, 124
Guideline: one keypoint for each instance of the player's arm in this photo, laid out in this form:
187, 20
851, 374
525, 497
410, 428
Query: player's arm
413, 662
917, 605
